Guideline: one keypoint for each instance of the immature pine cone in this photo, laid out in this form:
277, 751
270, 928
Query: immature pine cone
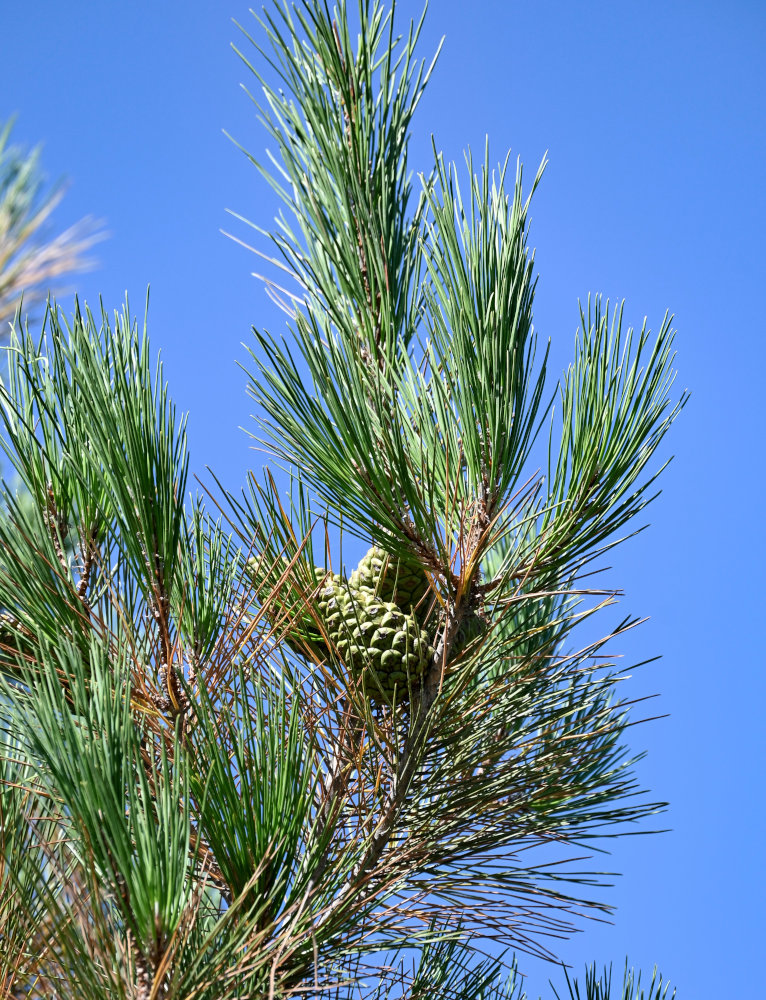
287, 605
401, 581
375, 639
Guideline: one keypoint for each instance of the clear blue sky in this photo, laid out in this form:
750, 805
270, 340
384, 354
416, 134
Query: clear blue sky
653, 114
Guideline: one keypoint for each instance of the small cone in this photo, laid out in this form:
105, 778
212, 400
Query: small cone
376, 640
399, 581
287, 604
471, 627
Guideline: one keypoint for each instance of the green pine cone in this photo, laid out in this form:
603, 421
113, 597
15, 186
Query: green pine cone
402, 582
471, 627
287, 605
375, 638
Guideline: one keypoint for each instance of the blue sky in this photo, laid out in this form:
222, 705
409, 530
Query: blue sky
654, 117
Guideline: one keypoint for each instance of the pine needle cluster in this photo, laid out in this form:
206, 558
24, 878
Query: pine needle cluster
233, 766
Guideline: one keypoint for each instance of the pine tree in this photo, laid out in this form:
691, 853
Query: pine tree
30, 259
235, 765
